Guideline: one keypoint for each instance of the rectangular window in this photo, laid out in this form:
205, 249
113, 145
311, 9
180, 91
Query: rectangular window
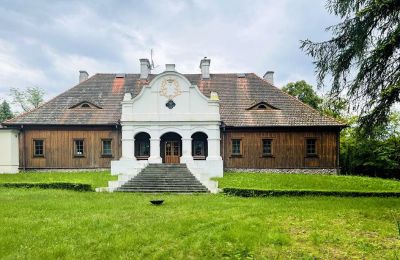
236, 146
311, 147
144, 148
106, 147
79, 147
267, 147
38, 148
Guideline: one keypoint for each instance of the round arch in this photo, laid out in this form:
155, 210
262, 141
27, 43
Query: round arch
171, 147
199, 146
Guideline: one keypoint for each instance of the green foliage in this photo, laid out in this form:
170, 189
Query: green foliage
60, 224
5, 111
362, 57
268, 193
94, 179
374, 153
307, 182
54, 185
29, 98
303, 92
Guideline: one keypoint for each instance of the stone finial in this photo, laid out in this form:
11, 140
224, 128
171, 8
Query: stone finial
127, 96
214, 96
169, 67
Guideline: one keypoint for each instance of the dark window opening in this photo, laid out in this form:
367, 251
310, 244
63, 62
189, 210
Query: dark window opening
79, 147
236, 146
311, 147
38, 148
199, 146
106, 147
85, 105
262, 107
142, 146
267, 146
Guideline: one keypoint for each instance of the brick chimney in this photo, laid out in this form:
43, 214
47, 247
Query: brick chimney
205, 68
144, 68
83, 75
269, 77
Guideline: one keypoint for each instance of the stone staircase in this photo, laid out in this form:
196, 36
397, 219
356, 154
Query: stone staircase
168, 178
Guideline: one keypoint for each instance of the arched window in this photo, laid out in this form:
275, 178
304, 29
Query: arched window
142, 146
262, 107
199, 146
85, 105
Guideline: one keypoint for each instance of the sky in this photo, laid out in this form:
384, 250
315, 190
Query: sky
46, 43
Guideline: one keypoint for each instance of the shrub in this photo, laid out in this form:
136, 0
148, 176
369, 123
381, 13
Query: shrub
266, 193
54, 185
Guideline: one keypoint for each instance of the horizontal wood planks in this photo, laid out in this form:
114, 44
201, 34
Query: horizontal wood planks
288, 149
59, 147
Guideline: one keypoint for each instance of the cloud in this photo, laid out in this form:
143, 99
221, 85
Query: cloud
46, 43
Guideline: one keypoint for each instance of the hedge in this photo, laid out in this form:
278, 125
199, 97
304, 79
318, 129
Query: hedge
267, 193
53, 185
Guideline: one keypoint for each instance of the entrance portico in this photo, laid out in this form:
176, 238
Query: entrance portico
170, 121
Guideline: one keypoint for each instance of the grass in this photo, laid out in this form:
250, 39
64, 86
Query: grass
95, 179
274, 181
41, 224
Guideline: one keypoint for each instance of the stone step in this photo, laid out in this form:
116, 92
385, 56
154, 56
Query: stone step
164, 178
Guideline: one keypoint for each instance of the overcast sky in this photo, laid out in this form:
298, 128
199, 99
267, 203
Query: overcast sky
46, 43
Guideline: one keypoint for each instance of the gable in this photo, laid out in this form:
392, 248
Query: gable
170, 96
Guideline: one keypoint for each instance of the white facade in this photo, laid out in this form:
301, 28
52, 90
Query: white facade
9, 154
170, 104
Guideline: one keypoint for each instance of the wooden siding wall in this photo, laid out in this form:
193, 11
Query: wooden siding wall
288, 149
59, 148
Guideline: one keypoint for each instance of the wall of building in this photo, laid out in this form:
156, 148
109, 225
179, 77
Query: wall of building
288, 149
9, 151
59, 147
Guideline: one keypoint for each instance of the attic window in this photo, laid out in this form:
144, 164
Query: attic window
262, 106
85, 105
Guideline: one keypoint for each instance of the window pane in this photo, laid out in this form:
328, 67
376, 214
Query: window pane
144, 148
198, 148
38, 147
107, 150
236, 146
310, 146
267, 146
79, 147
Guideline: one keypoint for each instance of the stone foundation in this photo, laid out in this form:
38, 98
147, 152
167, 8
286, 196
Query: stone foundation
291, 171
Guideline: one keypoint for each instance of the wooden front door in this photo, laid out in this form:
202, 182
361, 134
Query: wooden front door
172, 151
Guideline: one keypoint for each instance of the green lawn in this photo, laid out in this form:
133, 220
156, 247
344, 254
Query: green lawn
42, 224
274, 181
95, 179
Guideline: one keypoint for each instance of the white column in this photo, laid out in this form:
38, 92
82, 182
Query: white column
155, 151
186, 150
128, 149
214, 149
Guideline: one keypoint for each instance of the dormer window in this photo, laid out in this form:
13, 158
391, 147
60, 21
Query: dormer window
85, 105
262, 106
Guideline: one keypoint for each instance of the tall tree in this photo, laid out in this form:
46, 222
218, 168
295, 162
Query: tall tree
363, 56
29, 98
5, 111
304, 92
